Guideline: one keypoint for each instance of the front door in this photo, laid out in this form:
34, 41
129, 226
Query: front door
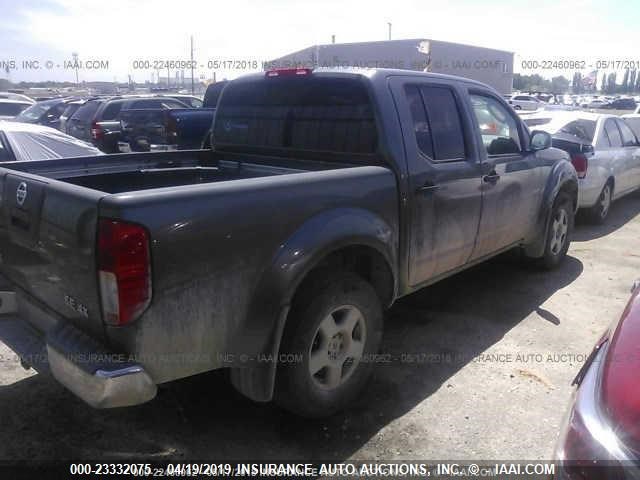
511, 187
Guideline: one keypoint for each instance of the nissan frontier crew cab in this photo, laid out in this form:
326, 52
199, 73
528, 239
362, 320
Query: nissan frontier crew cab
327, 194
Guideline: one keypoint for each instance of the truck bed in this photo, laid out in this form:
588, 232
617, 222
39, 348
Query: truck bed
142, 171
50, 211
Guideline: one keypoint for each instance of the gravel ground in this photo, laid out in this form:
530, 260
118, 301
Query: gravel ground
479, 367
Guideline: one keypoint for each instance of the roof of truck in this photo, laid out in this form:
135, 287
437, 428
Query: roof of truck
372, 73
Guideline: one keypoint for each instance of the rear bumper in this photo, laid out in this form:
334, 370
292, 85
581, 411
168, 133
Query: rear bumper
100, 378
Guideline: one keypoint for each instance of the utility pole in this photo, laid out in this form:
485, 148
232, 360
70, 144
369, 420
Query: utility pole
192, 80
389, 23
333, 39
168, 76
75, 64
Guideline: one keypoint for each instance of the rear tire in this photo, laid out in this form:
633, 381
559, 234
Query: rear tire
600, 211
559, 233
333, 329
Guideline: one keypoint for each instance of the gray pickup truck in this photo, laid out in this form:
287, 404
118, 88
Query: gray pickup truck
326, 196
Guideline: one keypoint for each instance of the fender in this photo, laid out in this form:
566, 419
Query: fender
562, 176
316, 238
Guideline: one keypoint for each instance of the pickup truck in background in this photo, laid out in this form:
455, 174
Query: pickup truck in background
327, 195
144, 130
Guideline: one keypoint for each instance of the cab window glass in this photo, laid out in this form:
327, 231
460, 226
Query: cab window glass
498, 129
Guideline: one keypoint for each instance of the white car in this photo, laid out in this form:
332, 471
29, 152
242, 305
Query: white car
604, 151
526, 102
25, 141
12, 108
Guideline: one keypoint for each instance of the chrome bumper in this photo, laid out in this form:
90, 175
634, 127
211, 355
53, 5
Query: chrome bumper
70, 355
106, 388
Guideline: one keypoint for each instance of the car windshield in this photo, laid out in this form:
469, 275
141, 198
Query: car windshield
582, 129
33, 113
12, 109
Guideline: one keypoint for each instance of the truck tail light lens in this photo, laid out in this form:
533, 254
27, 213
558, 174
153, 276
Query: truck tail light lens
124, 271
96, 131
581, 164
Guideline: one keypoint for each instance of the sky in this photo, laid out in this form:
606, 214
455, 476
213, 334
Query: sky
123, 31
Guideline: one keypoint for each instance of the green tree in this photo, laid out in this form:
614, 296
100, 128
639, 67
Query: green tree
576, 84
560, 84
632, 81
611, 83
625, 81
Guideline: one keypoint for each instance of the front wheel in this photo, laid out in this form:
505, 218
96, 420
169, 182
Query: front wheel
559, 232
333, 330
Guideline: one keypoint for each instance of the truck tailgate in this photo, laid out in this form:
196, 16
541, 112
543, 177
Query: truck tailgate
47, 246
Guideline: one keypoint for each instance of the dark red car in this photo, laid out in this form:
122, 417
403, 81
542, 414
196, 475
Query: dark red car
600, 437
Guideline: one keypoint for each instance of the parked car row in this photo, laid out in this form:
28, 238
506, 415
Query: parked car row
521, 101
97, 119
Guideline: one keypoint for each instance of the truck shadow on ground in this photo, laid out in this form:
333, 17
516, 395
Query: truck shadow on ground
622, 212
204, 418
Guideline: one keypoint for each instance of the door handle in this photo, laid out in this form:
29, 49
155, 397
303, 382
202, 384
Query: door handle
491, 177
427, 187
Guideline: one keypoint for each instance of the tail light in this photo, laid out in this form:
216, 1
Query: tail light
124, 271
600, 437
289, 72
581, 164
620, 392
96, 131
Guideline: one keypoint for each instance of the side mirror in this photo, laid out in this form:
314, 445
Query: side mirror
540, 140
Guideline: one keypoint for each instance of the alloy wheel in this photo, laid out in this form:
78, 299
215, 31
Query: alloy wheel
337, 347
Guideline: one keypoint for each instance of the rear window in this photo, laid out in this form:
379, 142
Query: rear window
157, 103
12, 109
112, 110
86, 111
71, 108
34, 112
298, 114
582, 129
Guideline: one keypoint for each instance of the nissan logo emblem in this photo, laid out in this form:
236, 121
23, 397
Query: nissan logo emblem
21, 193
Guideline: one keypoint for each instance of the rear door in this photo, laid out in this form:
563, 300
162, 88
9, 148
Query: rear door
619, 165
511, 184
631, 155
444, 179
